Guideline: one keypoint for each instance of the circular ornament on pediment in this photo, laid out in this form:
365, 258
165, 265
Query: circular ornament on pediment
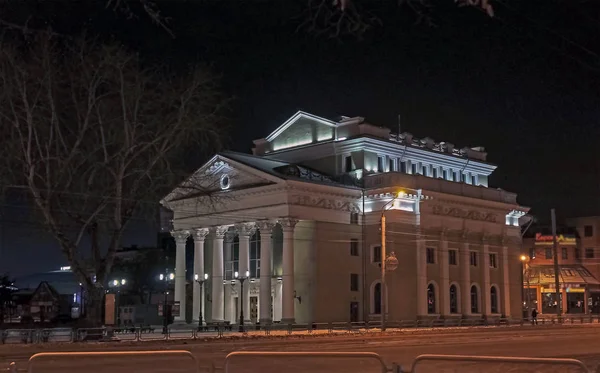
391, 262
225, 182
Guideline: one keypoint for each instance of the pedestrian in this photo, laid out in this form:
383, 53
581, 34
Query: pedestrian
534, 316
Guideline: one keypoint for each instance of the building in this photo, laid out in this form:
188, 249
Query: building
579, 269
302, 215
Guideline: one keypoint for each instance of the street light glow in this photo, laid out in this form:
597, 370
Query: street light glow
171, 276
236, 275
247, 273
115, 283
206, 276
123, 282
523, 258
161, 277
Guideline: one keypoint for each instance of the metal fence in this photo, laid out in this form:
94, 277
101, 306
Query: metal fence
137, 334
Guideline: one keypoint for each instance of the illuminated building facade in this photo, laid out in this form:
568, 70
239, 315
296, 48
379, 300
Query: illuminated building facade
302, 216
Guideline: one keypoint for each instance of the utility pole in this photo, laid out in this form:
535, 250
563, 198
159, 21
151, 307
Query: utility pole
383, 256
556, 269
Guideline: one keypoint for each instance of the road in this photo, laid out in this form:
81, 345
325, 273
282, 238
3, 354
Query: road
573, 341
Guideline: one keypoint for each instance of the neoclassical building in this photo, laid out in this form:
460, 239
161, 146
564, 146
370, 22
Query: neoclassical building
302, 215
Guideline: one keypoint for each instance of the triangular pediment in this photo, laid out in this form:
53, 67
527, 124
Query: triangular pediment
222, 174
301, 129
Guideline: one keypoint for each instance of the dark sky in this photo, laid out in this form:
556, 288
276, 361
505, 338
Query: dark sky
523, 84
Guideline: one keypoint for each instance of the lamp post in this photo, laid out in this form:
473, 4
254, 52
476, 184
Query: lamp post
166, 277
525, 276
117, 284
201, 281
242, 280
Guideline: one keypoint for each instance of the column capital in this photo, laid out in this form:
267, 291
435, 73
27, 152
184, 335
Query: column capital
246, 229
180, 236
265, 226
200, 234
288, 224
221, 230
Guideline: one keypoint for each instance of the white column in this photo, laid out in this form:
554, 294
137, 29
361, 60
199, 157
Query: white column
505, 281
198, 302
287, 302
277, 299
228, 274
180, 279
465, 277
245, 232
229, 304
266, 248
444, 289
218, 305
421, 266
486, 296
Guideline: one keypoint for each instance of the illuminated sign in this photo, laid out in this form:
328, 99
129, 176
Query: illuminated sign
539, 238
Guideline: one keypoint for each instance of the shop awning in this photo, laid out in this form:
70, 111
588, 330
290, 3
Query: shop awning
544, 275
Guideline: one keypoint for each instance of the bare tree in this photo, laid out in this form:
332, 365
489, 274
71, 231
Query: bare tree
94, 137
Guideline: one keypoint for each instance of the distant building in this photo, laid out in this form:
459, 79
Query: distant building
303, 215
44, 304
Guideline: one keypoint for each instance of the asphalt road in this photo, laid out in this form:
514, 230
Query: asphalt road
577, 341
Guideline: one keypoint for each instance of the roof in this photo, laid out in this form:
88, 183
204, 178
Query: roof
574, 274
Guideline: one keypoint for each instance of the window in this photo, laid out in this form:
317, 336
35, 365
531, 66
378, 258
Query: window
255, 255
577, 253
453, 299
402, 166
446, 176
376, 254
380, 164
430, 255
589, 253
392, 165
588, 231
494, 299
565, 253
463, 177
348, 163
548, 253
435, 172
532, 253
474, 299
452, 254
413, 168
475, 179
353, 247
353, 282
431, 306
232, 258
424, 171
377, 299
354, 218
493, 260
473, 258
456, 176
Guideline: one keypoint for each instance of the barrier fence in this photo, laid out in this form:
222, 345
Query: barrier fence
137, 334
522, 363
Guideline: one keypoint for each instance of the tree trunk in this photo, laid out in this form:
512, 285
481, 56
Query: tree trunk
95, 307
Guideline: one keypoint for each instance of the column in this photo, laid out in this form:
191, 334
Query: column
198, 302
486, 294
218, 296
245, 232
465, 276
444, 276
266, 248
228, 275
277, 299
229, 305
180, 280
421, 266
288, 287
506, 282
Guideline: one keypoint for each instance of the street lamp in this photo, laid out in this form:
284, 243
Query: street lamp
241, 280
525, 274
117, 284
201, 280
166, 277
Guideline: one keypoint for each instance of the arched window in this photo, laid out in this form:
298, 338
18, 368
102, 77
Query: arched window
453, 299
377, 299
494, 299
474, 299
431, 306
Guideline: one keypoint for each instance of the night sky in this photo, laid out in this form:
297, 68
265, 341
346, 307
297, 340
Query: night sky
523, 84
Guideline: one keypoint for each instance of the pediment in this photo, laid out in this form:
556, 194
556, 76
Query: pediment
301, 129
221, 174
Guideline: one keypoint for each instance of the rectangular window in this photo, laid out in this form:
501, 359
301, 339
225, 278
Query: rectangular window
565, 253
348, 164
413, 167
473, 258
430, 255
402, 166
452, 255
548, 253
577, 253
463, 177
456, 176
354, 218
379, 164
376, 254
392, 165
475, 180
353, 247
588, 231
435, 172
493, 260
424, 170
589, 253
532, 253
353, 282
